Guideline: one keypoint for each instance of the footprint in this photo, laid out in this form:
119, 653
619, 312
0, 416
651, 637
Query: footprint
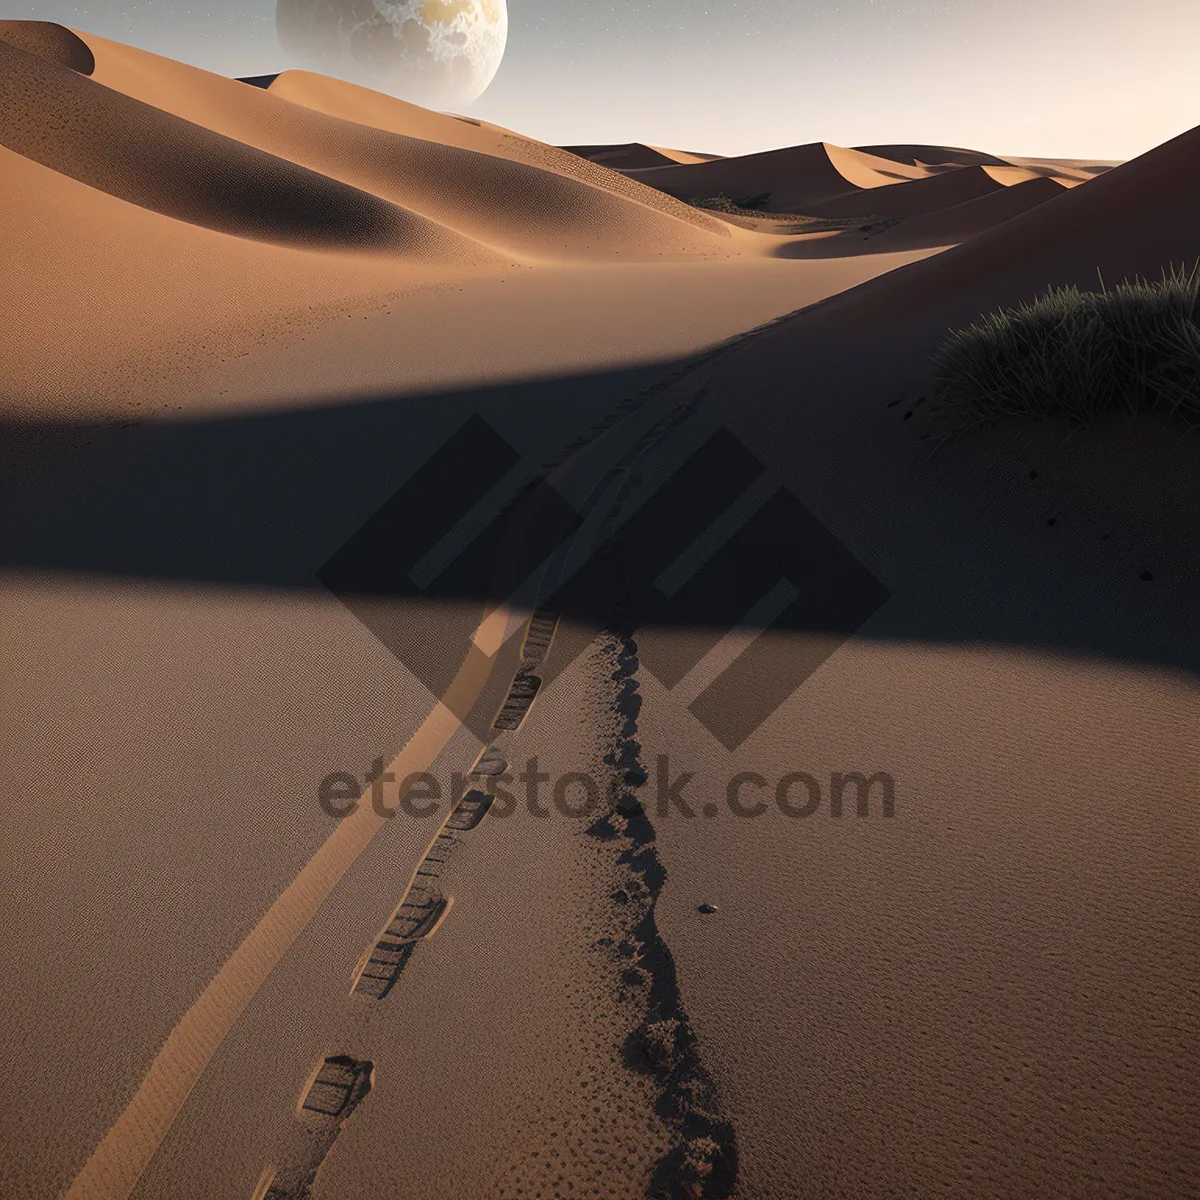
521, 693
418, 916
337, 1087
539, 634
472, 808
490, 762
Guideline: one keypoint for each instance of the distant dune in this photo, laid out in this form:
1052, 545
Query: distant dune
914, 155
797, 177
1134, 218
958, 222
923, 196
637, 155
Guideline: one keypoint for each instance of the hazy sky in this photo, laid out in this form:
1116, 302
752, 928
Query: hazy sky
1074, 78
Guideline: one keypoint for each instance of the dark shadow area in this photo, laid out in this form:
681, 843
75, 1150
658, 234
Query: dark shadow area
362, 498
861, 239
259, 81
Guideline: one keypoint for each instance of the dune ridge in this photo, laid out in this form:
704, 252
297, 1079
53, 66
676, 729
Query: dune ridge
1135, 218
915, 154
798, 177
505, 202
919, 196
158, 161
629, 156
352, 102
56, 43
958, 222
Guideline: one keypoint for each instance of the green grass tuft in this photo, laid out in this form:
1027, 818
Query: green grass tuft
1131, 348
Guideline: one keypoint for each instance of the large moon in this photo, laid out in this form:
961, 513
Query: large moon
439, 53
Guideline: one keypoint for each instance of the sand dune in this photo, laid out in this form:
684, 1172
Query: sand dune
935, 227
160, 162
581, 211
797, 177
1133, 219
958, 222
1077, 169
1073, 169
331, 182
914, 154
350, 102
184, 294
56, 43
631, 156
926, 195
685, 156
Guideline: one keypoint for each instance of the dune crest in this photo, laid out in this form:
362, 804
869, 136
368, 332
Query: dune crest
1134, 218
518, 195
630, 156
797, 177
161, 162
55, 43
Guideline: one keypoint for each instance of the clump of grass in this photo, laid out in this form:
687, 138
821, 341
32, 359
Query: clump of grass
750, 206
1133, 347
758, 202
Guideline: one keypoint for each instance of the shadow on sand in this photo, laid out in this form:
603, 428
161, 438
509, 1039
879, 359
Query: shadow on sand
355, 496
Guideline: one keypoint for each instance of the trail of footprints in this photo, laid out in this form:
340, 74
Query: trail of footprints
340, 1083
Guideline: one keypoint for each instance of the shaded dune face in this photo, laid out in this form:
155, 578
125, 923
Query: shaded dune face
436, 52
917, 153
797, 177
914, 196
159, 161
55, 43
1133, 220
532, 207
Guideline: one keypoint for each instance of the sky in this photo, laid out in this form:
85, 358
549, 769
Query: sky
1104, 79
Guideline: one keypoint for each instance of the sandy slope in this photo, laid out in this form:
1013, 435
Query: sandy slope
1068, 168
1077, 169
636, 155
925, 197
796, 177
958, 222
53, 42
161, 163
187, 294
1132, 219
986, 994
351, 102
568, 210
914, 155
